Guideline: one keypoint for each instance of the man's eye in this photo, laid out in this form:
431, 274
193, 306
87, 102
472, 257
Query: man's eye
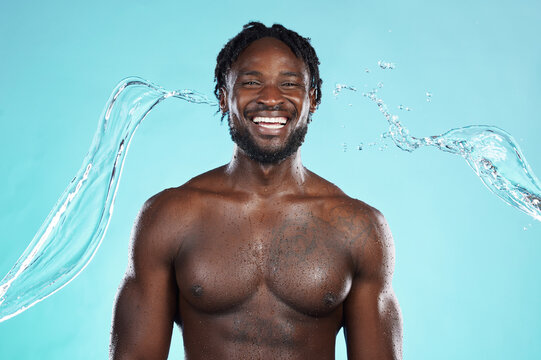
250, 83
289, 84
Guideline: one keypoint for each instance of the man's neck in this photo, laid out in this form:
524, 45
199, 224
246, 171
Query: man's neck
266, 180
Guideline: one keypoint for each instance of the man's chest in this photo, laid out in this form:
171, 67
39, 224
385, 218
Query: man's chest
298, 260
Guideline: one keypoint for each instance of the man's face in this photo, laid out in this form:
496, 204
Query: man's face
269, 100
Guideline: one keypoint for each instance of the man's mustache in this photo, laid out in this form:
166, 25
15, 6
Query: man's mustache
278, 107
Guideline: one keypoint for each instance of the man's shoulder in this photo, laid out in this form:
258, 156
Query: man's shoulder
165, 217
363, 227
187, 200
338, 205
362, 224
352, 216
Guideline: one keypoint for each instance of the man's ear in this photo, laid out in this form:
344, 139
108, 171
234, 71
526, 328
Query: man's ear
313, 103
223, 101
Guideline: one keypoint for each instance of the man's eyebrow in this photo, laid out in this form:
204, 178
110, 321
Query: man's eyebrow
251, 72
291, 73
257, 73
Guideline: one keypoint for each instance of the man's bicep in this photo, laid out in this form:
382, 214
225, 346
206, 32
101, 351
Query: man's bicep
372, 323
372, 320
146, 303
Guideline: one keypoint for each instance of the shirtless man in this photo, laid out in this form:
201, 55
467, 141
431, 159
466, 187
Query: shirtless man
260, 258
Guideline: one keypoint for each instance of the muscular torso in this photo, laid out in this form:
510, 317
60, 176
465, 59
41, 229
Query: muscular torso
264, 277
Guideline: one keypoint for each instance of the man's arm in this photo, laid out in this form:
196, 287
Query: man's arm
372, 320
147, 300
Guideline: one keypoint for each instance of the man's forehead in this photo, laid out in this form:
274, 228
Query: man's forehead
269, 52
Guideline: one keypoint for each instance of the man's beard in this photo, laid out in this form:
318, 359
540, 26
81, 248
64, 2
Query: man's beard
271, 156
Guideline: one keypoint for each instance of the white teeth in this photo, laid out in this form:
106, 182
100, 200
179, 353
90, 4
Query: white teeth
272, 126
271, 120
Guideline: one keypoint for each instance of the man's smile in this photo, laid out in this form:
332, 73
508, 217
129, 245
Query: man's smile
270, 122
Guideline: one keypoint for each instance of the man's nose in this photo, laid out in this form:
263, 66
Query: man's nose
270, 95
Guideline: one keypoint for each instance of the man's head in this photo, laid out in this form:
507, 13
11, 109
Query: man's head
267, 81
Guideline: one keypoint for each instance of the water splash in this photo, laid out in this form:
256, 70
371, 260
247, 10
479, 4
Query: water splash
71, 234
386, 65
402, 107
69, 237
339, 87
490, 151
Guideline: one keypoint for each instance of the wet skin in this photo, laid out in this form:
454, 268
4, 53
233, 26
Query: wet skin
259, 261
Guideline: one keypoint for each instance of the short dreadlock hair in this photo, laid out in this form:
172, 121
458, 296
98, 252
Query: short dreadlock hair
253, 31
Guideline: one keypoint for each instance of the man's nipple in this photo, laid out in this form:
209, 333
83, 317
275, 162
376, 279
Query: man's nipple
329, 299
197, 290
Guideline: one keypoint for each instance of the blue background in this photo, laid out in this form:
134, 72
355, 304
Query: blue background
467, 264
